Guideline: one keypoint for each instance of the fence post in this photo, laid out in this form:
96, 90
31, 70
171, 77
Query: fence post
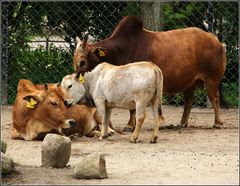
4, 53
210, 18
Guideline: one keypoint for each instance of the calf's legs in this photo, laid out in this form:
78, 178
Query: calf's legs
104, 114
105, 123
157, 114
140, 116
132, 122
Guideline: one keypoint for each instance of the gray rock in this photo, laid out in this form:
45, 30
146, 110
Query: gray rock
56, 151
3, 146
93, 166
7, 164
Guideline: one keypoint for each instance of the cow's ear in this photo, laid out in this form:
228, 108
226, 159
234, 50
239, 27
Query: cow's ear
32, 100
35, 97
77, 40
99, 52
58, 84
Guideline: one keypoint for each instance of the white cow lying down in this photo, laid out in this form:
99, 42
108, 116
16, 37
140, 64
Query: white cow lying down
130, 86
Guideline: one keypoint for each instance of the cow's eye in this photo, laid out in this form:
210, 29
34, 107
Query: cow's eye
70, 86
54, 103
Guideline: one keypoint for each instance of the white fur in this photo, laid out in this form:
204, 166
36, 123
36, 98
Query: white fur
128, 86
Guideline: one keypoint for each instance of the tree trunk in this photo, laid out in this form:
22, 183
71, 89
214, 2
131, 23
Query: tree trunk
152, 15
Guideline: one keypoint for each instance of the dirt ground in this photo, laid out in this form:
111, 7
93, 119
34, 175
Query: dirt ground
194, 155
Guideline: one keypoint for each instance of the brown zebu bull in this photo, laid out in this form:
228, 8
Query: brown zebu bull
188, 58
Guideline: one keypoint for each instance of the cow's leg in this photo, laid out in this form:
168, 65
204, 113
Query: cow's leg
15, 134
99, 120
140, 116
157, 114
132, 122
223, 102
105, 123
94, 133
213, 94
102, 114
188, 101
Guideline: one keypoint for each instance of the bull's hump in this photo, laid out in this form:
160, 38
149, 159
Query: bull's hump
129, 25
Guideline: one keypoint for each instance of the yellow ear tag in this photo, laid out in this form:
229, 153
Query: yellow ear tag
81, 79
31, 103
101, 53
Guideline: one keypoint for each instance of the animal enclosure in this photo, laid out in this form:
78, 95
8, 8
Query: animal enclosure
38, 44
38, 37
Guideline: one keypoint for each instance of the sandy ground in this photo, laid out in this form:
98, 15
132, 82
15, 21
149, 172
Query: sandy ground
194, 155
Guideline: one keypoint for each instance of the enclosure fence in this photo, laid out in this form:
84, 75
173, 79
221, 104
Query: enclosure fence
37, 38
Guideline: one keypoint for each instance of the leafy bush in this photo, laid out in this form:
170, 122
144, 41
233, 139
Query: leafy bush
39, 66
231, 94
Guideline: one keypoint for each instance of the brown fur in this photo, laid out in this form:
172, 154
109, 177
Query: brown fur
188, 58
44, 117
86, 118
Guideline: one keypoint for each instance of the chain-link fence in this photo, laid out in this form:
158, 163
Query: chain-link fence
38, 37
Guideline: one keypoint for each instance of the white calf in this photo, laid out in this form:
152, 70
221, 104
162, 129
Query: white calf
130, 86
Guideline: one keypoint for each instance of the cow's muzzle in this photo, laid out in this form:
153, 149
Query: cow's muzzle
67, 103
68, 124
72, 123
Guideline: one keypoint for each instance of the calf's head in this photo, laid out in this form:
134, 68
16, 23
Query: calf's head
73, 88
86, 57
48, 109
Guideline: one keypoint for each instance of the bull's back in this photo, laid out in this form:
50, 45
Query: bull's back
183, 55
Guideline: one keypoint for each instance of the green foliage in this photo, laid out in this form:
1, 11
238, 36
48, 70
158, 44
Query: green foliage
39, 66
183, 14
200, 99
70, 19
232, 93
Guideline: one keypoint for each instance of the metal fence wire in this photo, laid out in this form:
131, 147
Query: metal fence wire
38, 37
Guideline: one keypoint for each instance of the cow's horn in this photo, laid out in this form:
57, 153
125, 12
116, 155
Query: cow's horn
85, 39
46, 86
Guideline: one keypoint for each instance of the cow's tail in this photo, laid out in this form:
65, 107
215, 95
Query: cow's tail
159, 91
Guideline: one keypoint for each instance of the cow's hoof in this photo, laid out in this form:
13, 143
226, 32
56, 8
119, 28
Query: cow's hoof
111, 132
218, 126
133, 140
154, 139
102, 137
97, 135
128, 129
184, 125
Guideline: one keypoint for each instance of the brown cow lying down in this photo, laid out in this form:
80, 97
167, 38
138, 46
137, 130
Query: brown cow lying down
38, 111
87, 121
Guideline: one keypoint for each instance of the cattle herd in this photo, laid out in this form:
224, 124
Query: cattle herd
130, 69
